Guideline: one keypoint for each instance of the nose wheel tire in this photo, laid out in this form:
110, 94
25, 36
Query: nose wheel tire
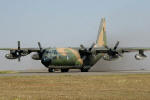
50, 70
64, 70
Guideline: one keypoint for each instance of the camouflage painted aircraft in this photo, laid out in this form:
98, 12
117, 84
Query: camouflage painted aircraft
75, 58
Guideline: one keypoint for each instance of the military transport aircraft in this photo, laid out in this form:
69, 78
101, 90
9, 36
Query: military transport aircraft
76, 58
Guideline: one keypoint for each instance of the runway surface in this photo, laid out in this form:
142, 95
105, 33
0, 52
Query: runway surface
46, 73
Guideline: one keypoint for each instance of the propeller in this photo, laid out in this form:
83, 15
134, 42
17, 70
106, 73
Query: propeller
82, 47
40, 47
89, 50
92, 46
116, 45
113, 52
19, 51
85, 52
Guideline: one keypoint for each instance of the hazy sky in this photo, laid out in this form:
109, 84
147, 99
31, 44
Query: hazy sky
59, 23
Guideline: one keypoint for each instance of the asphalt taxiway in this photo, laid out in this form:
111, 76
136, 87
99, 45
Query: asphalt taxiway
45, 73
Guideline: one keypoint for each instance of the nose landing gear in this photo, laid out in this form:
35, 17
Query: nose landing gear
65, 70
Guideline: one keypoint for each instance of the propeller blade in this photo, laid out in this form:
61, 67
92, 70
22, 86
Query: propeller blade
19, 51
82, 47
116, 45
19, 58
120, 54
92, 46
39, 44
18, 45
106, 47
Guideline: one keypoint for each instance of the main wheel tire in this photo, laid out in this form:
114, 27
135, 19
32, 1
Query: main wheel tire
64, 70
50, 70
84, 69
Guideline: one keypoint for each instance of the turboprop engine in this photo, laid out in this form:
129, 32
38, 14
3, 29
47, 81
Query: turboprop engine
140, 56
14, 54
110, 58
17, 53
38, 55
10, 56
112, 53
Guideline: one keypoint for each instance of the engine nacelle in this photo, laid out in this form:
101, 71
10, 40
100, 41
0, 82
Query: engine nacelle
139, 57
110, 58
10, 56
36, 57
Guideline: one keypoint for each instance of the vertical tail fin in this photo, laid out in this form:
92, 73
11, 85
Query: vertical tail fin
101, 38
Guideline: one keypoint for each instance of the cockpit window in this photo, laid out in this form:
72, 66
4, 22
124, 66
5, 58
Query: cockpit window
54, 52
51, 51
47, 51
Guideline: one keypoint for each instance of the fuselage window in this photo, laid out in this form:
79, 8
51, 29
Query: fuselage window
67, 57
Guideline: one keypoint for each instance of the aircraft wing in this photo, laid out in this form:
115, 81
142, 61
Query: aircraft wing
23, 49
122, 50
113, 53
19, 52
134, 49
19, 49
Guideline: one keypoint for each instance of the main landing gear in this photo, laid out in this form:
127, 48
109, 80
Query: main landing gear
62, 70
84, 69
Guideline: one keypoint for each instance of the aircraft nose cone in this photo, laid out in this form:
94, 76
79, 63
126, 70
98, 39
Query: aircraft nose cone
46, 61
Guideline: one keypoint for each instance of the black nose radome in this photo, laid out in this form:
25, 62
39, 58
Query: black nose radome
46, 61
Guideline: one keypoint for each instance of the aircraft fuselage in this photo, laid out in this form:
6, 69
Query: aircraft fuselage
61, 57
66, 58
